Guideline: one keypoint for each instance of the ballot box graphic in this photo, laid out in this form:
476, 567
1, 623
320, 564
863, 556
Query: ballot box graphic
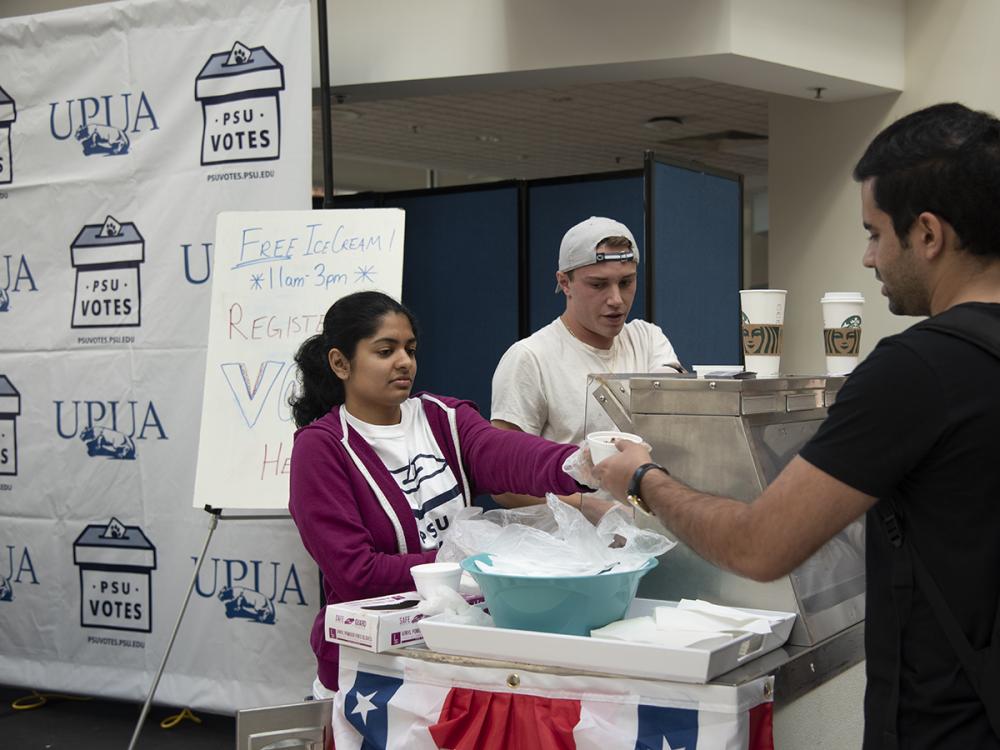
106, 258
241, 110
10, 407
8, 113
116, 562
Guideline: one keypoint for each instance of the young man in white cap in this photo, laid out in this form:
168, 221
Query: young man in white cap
540, 385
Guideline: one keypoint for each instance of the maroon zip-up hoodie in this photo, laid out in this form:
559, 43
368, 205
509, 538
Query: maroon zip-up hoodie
355, 521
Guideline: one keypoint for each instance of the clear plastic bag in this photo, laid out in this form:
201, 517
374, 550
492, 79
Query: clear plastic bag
554, 539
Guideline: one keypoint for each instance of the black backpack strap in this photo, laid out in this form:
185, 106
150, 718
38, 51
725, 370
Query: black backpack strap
982, 668
978, 327
971, 324
901, 582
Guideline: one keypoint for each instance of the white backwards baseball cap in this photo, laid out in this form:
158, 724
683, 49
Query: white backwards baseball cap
579, 245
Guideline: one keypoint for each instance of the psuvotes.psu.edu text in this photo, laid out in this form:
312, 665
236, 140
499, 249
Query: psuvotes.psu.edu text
120, 642
248, 174
105, 339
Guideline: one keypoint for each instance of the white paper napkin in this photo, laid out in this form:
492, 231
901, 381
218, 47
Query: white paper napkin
645, 630
697, 614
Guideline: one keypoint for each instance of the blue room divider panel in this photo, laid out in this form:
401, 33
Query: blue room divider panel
697, 239
356, 200
460, 280
555, 206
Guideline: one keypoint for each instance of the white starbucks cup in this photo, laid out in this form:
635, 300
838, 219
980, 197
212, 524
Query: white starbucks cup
842, 323
762, 312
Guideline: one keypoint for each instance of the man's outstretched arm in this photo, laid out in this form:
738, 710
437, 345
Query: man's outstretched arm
765, 539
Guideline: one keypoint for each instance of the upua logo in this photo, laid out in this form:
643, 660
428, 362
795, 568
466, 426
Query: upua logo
15, 277
109, 428
103, 125
241, 111
16, 567
247, 603
250, 589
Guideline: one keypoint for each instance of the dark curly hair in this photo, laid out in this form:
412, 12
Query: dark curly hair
944, 159
349, 320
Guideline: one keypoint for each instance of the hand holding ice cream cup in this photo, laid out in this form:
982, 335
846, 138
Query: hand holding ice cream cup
602, 444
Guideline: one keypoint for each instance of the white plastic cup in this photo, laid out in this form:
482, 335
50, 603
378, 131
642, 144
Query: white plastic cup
602, 444
430, 576
842, 323
763, 316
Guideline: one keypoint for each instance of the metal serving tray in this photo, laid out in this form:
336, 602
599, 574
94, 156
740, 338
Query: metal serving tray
607, 656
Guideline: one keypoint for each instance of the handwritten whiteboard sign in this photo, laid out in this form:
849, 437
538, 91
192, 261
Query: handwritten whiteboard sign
275, 275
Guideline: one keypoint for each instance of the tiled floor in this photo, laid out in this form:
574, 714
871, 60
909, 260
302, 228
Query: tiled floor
61, 723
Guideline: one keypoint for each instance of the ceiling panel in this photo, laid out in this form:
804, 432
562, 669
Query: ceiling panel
548, 132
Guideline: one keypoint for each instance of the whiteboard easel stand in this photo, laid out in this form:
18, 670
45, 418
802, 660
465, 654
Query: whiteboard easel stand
215, 516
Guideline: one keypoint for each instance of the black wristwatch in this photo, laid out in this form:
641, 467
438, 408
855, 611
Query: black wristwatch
633, 486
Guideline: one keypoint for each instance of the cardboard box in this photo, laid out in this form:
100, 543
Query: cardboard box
380, 623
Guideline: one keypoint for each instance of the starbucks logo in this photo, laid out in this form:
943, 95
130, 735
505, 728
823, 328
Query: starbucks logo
844, 341
762, 338
852, 322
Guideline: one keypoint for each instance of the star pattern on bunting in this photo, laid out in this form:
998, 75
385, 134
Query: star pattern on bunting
365, 705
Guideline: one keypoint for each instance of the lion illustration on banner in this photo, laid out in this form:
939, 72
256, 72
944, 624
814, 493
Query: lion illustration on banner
103, 441
247, 603
102, 139
6, 590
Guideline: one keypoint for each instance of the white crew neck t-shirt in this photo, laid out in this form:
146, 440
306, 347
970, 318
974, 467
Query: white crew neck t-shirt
411, 454
540, 384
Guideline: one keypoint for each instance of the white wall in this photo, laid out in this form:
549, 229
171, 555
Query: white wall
816, 238
854, 39
397, 47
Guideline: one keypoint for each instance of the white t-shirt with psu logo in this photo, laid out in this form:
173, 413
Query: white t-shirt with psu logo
411, 454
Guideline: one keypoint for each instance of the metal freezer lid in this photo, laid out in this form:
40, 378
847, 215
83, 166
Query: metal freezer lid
659, 394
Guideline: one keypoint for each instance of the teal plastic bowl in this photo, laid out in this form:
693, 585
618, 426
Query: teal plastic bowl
572, 605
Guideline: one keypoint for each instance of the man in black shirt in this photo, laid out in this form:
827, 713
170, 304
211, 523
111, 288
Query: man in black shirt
910, 441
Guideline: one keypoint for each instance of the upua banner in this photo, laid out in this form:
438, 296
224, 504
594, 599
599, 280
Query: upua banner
125, 128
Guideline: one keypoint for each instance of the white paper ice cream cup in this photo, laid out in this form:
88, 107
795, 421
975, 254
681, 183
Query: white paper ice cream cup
428, 576
602, 444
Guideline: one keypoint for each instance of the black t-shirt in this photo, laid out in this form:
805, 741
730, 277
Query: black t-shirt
919, 421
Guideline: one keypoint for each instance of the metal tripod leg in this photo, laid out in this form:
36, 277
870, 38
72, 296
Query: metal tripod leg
180, 616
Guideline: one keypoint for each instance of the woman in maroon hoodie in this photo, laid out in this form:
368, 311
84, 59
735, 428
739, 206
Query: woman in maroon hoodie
378, 475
